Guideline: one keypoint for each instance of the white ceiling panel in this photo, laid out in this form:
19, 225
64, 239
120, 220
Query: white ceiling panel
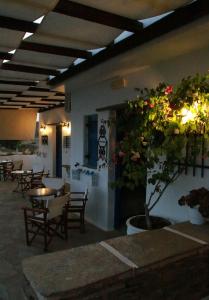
29, 64
10, 39
42, 59
6, 95
14, 103
74, 31
28, 10
135, 9
26, 99
7, 106
12, 87
58, 97
60, 40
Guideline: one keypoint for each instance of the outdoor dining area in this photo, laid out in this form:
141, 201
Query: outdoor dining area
13, 246
51, 209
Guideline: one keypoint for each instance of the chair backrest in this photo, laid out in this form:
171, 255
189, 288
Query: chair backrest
17, 165
79, 198
8, 166
56, 205
64, 189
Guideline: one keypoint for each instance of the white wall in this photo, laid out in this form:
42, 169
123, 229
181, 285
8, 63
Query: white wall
28, 160
48, 152
92, 90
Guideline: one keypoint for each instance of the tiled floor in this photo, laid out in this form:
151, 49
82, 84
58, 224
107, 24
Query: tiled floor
13, 248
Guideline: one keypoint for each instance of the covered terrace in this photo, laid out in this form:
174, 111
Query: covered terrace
66, 70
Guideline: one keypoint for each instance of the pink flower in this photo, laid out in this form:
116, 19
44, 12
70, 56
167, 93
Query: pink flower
168, 90
121, 154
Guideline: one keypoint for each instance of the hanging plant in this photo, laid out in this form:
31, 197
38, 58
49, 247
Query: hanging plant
169, 127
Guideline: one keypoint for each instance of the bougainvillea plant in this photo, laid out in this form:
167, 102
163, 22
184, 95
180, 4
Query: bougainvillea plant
169, 120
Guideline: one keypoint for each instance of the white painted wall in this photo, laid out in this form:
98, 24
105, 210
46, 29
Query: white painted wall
28, 160
166, 59
48, 152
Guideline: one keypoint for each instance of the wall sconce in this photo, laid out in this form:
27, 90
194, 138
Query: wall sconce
66, 126
43, 129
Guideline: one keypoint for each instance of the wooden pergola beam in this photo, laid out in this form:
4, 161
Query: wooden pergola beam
180, 17
29, 69
5, 55
10, 92
17, 25
56, 50
16, 82
91, 14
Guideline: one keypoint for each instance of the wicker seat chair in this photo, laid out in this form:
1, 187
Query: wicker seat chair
7, 170
46, 222
76, 210
36, 180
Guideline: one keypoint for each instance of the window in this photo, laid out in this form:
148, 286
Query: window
90, 141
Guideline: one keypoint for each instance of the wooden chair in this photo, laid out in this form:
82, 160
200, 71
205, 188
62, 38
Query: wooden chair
36, 180
1, 171
17, 165
46, 222
76, 210
8, 168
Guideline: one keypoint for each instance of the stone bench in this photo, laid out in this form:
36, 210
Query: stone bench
160, 264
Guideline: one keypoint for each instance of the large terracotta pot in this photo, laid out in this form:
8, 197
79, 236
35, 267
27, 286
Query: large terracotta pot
137, 223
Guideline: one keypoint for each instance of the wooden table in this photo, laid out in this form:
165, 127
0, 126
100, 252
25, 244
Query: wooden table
40, 194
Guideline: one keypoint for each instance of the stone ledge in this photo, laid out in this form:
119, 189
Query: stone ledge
167, 267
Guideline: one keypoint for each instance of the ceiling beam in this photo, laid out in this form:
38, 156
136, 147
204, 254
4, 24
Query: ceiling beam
4, 98
5, 55
38, 89
91, 14
57, 50
18, 25
10, 92
180, 17
31, 96
53, 100
16, 82
54, 107
29, 69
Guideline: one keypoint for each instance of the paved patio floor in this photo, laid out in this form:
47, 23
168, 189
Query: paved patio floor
13, 248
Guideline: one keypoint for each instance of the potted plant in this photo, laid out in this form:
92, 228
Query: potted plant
168, 128
197, 202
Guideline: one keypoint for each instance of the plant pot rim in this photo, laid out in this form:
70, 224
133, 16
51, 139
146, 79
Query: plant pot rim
156, 217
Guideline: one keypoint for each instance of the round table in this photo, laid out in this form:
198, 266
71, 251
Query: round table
38, 195
41, 192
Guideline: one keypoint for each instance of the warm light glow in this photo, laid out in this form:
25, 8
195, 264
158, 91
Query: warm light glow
43, 129
66, 128
187, 115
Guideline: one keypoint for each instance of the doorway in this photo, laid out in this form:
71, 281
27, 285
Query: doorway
127, 202
59, 151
